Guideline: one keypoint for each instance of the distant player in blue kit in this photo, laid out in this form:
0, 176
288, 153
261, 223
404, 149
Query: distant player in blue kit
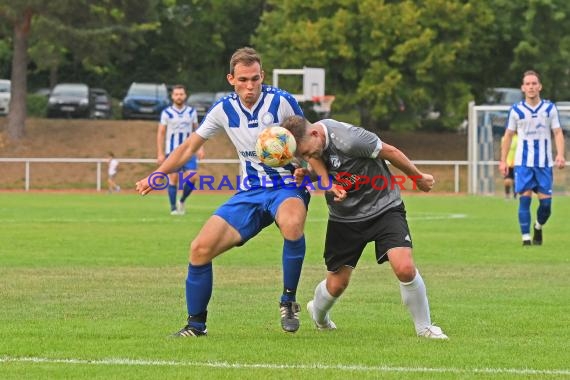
535, 121
361, 212
243, 115
177, 122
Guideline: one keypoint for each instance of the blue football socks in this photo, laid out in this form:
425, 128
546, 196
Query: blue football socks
198, 292
544, 210
172, 196
524, 214
293, 255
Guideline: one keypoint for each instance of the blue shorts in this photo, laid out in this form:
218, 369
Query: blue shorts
250, 211
538, 180
190, 165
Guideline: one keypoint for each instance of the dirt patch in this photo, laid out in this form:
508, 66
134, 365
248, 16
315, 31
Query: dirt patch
55, 138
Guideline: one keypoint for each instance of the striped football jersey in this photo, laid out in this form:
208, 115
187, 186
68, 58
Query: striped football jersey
534, 128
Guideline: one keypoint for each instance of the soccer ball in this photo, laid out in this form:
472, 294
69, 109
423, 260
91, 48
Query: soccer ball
275, 146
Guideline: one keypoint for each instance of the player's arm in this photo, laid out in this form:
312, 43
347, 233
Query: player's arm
160, 136
505, 147
175, 160
510, 129
201, 153
392, 154
560, 161
320, 170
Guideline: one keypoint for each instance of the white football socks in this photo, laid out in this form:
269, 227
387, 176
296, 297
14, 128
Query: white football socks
322, 303
414, 296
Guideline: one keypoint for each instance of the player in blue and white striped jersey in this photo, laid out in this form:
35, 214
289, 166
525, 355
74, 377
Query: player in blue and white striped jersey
535, 121
255, 206
177, 122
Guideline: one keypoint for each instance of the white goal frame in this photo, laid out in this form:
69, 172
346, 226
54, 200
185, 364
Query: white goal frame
482, 163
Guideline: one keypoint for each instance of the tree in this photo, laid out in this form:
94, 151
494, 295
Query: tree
194, 42
380, 55
545, 46
88, 28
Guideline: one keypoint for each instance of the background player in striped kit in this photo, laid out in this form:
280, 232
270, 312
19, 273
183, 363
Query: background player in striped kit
243, 114
177, 122
535, 121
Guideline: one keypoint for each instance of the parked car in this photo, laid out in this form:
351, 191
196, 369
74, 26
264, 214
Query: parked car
221, 94
69, 100
102, 106
564, 116
4, 96
503, 95
145, 101
43, 91
201, 101
506, 96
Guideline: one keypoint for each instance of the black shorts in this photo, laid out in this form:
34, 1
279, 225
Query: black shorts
510, 174
345, 241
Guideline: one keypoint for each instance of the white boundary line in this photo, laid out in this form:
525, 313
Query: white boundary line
341, 367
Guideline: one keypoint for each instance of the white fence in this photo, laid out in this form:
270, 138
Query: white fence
100, 161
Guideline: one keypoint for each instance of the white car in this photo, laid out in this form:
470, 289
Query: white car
4, 96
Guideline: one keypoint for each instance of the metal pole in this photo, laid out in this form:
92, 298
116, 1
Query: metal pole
456, 167
98, 175
471, 148
27, 176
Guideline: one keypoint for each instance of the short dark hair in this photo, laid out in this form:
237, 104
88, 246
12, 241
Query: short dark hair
246, 56
531, 72
297, 125
179, 86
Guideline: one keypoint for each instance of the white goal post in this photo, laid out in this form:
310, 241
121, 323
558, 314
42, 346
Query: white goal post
486, 124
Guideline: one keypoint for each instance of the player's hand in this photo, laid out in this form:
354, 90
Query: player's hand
143, 186
425, 182
300, 174
338, 192
160, 159
503, 168
560, 162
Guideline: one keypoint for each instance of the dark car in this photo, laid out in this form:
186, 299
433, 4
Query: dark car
506, 96
145, 101
201, 101
102, 106
69, 100
503, 95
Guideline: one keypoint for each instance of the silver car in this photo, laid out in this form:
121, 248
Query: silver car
4, 96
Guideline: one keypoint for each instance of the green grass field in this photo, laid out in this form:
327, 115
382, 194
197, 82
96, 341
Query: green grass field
91, 285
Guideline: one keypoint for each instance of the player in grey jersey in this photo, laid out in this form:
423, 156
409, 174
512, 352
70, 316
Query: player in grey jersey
364, 206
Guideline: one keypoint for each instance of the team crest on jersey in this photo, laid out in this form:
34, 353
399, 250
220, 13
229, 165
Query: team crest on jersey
267, 119
335, 161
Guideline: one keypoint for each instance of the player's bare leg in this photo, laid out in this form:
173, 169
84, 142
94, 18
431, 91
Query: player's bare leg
413, 291
290, 218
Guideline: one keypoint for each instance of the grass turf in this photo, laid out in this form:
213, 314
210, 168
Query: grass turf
90, 281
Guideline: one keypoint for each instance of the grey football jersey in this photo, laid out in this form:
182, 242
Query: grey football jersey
352, 153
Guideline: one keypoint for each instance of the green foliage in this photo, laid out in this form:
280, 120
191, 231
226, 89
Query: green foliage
545, 46
36, 105
379, 54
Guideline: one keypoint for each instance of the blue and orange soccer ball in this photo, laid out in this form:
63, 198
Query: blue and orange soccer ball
275, 146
